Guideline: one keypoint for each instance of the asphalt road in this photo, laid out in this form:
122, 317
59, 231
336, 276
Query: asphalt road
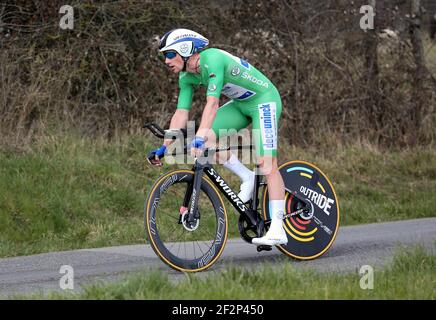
370, 244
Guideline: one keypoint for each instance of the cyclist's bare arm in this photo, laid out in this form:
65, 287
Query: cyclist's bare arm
207, 118
209, 113
178, 121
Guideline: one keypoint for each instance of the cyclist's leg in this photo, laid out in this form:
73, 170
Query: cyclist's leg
265, 134
265, 113
229, 119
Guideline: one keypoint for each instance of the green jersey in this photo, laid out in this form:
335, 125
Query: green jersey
223, 73
254, 99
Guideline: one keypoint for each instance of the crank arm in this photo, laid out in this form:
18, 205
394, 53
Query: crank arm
295, 213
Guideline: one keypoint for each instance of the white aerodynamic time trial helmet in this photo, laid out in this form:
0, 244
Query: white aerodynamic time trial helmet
184, 41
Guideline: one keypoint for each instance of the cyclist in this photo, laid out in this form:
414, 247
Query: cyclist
254, 99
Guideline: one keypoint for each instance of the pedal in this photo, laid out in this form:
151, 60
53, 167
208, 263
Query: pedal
263, 248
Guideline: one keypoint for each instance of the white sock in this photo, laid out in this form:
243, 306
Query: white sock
235, 166
277, 208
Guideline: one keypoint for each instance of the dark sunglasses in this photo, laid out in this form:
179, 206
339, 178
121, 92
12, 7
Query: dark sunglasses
170, 54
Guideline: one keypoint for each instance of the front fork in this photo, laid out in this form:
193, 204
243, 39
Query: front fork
190, 200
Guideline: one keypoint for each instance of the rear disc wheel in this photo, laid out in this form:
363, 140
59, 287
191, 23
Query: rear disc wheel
311, 233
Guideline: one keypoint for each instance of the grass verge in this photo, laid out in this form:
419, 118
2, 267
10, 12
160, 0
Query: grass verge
411, 275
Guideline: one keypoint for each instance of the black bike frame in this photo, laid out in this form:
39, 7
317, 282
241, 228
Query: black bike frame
249, 212
191, 199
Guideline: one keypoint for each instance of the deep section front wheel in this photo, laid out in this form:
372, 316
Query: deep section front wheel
188, 246
311, 233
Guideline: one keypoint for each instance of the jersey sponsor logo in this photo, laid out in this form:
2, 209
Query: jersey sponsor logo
234, 91
211, 87
235, 71
238, 60
268, 126
245, 63
246, 95
249, 77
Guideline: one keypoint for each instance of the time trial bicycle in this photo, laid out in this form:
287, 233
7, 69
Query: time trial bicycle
186, 220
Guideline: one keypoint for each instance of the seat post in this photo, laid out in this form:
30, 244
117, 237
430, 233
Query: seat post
257, 180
